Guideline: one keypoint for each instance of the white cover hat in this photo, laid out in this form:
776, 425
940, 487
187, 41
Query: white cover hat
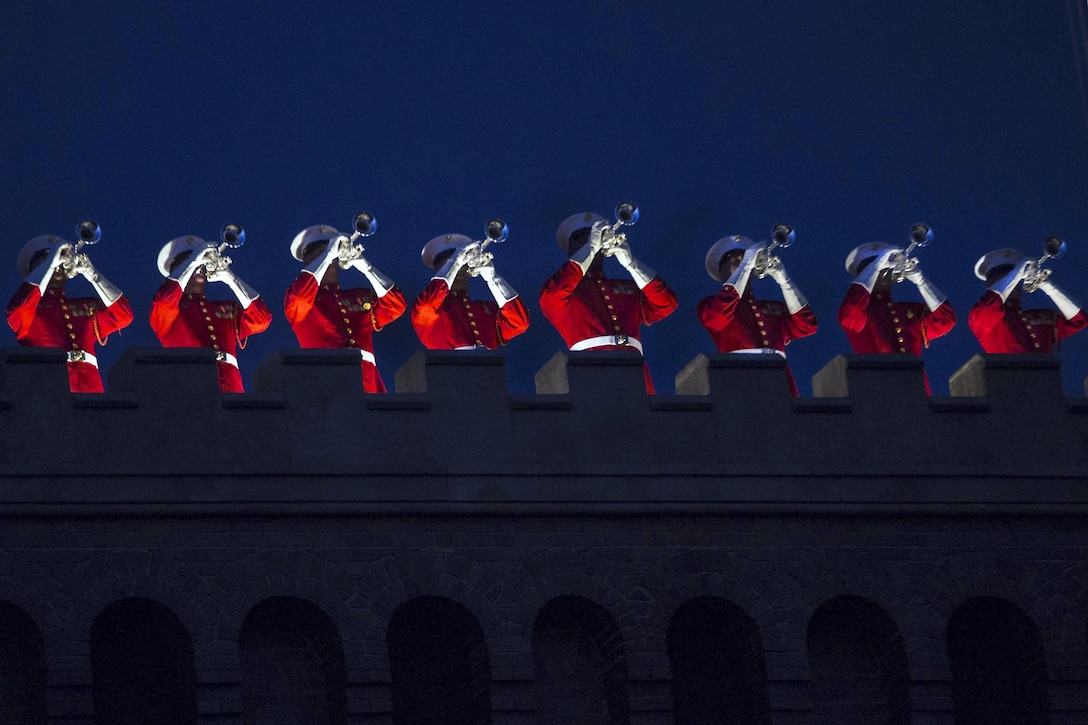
309, 235
722, 247
996, 258
862, 254
35, 245
572, 224
440, 244
176, 247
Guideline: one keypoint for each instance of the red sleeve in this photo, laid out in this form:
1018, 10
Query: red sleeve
559, 289
425, 308
940, 321
854, 310
987, 313
22, 308
658, 301
512, 320
113, 318
164, 308
255, 318
800, 324
298, 301
716, 312
1068, 327
388, 307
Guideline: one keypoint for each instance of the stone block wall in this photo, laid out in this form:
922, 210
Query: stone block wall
589, 554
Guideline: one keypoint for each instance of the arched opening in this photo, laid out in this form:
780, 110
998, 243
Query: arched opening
292, 664
999, 674
142, 661
22, 668
438, 664
719, 675
858, 665
581, 675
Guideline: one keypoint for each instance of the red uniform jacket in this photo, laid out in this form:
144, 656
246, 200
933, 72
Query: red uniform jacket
446, 320
745, 323
874, 323
1005, 328
73, 324
581, 307
325, 316
191, 320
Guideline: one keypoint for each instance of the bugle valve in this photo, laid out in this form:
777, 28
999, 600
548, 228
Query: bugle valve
476, 254
1034, 274
903, 264
231, 236
781, 237
87, 233
351, 248
612, 237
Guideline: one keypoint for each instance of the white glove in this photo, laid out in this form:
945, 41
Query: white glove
106, 290
500, 289
378, 281
245, 294
452, 267
739, 279
933, 297
321, 264
197, 260
40, 275
584, 256
794, 298
638, 271
1004, 286
868, 276
1066, 304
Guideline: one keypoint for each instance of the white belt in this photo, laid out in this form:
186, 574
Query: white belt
82, 356
226, 357
760, 351
368, 356
471, 347
602, 340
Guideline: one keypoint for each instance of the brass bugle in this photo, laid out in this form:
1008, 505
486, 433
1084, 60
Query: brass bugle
363, 224
782, 236
903, 264
87, 233
495, 232
626, 215
231, 236
1034, 274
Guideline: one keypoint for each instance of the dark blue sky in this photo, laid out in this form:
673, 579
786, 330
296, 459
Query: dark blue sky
849, 120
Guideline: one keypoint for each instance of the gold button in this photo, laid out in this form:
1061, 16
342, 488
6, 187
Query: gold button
211, 327
899, 329
215, 347
900, 339
607, 297
471, 315
67, 317
69, 325
347, 320
610, 307
761, 323
213, 338
614, 318
351, 342
348, 331
473, 324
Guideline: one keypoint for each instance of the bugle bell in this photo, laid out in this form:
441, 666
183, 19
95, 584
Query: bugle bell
476, 255
87, 233
903, 264
350, 248
782, 236
1034, 274
626, 215
231, 236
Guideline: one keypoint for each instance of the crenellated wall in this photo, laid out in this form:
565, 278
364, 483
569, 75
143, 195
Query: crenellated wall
849, 550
